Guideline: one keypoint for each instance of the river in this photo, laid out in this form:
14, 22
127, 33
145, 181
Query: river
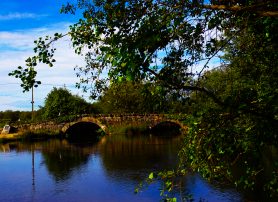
110, 170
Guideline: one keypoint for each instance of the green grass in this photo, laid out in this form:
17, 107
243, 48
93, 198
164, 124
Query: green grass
30, 136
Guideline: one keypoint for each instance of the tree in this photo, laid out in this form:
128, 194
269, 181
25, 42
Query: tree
9, 115
22, 116
27, 116
126, 38
242, 133
122, 98
60, 102
135, 97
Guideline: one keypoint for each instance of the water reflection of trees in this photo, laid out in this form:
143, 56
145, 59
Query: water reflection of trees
123, 155
59, 156
62, 159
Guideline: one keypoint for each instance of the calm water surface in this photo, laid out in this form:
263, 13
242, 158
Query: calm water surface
110, 170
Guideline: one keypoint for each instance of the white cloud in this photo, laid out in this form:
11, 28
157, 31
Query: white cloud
13, 16
15, 47
24, 39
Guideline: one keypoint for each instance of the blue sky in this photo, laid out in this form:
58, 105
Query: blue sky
22, 22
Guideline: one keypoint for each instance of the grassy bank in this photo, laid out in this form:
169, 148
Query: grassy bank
9, 137
30, 136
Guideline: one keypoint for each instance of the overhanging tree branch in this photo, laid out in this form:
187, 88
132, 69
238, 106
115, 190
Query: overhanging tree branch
174, 85
256, 9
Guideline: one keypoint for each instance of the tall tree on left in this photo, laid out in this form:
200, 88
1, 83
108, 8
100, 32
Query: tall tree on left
60, 102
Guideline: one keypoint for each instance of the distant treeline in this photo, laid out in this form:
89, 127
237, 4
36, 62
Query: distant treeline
9, 116
123, 97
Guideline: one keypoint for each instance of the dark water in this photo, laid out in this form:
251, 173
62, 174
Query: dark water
56, 170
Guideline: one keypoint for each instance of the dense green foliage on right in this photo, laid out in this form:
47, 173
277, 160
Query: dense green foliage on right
238, 139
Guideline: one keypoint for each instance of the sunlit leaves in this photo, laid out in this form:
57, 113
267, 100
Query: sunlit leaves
44, 55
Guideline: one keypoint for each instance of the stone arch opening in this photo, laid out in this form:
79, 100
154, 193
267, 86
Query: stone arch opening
166, 128
84, 131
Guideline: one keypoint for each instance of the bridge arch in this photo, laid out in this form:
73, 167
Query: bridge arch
85, 120
166, 127
84, 131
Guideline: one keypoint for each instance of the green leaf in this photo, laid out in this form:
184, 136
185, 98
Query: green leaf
151, 176
123, 64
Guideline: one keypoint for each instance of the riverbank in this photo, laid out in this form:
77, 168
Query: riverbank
29, 135
10, 137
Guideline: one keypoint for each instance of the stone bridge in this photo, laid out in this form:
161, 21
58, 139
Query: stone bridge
104, 122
